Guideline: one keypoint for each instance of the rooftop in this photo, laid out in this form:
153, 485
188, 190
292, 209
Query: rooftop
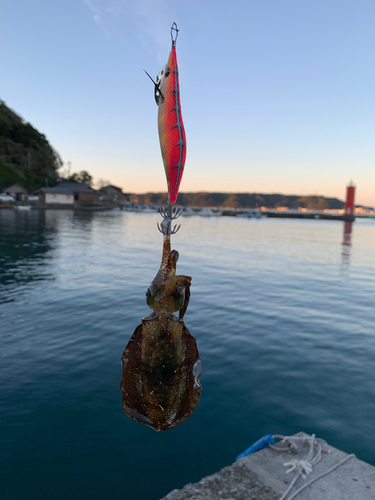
67, 188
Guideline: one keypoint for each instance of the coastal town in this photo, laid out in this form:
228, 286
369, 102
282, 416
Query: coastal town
81, 196
65, 195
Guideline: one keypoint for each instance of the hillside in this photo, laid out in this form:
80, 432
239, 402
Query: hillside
241, 200
26, 156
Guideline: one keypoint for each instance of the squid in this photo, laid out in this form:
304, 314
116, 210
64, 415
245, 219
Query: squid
161, 364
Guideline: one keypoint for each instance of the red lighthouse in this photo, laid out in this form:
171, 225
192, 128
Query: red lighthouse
349, 203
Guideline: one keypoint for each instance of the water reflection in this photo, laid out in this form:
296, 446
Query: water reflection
346, 243
83, 220
26, 238
161, 365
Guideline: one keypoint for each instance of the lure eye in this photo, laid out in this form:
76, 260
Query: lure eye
161, 74
167, 72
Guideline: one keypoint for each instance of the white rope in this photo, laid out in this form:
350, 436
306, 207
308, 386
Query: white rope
305, 466
320, 476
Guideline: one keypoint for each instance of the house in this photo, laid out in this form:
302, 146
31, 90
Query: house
6, 200
114, 195
56, 196
69, 194
15, 190
110, 189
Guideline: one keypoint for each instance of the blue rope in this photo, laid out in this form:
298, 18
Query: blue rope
258, 445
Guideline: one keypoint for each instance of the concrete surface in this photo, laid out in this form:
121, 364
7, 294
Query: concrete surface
262, 476
235, 482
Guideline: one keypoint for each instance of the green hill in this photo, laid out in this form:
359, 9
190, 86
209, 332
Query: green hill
241, 200
26, 156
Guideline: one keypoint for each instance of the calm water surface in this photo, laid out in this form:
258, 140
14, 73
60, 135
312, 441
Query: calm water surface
282, 310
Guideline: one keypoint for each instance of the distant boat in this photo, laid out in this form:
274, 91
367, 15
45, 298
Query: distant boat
23, 207
203, 212
187, 211
136, 207
208, 212
250, 214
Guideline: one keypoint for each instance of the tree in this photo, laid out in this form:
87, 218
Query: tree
82, 177
25, 154
103, 183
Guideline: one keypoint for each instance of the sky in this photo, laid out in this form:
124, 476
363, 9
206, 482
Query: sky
277, 96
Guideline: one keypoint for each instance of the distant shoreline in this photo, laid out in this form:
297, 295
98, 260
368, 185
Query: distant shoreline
243, 201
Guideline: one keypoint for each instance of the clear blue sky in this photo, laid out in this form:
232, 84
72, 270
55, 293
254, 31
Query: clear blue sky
276, 96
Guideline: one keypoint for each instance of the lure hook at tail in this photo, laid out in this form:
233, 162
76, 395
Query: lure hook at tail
169, 213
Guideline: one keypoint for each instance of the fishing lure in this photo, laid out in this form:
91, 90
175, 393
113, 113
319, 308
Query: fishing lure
171, 127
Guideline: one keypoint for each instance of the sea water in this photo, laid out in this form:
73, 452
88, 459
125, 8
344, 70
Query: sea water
283, 312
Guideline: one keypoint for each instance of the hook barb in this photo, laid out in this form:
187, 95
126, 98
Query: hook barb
175, 229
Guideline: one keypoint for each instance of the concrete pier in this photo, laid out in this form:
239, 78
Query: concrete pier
262, 476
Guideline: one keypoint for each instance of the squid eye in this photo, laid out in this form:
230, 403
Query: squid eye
167, 72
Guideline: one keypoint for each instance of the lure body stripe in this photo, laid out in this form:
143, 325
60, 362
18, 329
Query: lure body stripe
171, 128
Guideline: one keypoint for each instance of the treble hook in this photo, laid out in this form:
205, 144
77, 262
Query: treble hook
174, 28
169, 213
168, 231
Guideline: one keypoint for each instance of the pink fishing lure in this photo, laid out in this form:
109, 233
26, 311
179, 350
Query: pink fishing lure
171, 127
